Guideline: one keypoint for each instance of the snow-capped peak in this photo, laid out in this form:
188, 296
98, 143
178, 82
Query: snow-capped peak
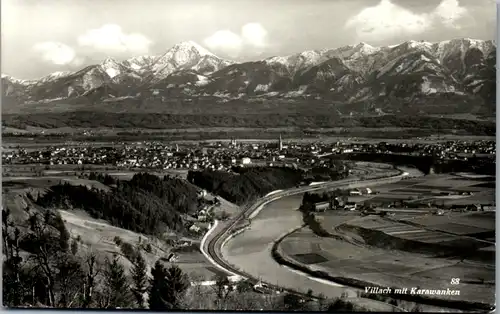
111, 67
364, 45
182, 55
55, 76
109, 60
16, 80
140, 62
190, 46
365, 48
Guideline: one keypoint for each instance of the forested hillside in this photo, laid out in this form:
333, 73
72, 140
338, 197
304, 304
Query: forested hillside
147, 204
248, 184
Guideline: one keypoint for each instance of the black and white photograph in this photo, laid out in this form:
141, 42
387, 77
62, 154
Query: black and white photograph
249, 155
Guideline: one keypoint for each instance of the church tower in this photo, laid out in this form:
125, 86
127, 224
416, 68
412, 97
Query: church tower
280, 143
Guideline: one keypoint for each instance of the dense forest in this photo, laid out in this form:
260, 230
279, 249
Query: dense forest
337, 170
147, 203
248, 184
319, 197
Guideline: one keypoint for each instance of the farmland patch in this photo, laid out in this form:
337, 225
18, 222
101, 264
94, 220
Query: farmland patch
310, 258
458, 228
433, 187
465, 243
411, 190
464, 272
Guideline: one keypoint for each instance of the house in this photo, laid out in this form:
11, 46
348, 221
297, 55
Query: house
321, 207
474, 207
245, 161
194, 228
171, 257
355, 192
350, 206
439, 212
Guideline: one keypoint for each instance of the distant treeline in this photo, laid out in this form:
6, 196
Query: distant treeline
201, 135
319, 197
146, 204
104, 178
479, 165
432, 123
334, 172
96, 119
250, 183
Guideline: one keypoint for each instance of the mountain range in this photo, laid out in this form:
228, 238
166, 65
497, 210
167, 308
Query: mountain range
421, 73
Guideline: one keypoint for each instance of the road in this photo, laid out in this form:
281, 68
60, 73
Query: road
272, 273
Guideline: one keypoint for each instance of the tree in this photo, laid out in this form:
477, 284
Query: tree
13, 286
69, 280
292, 302
139, 278
222, 289
322, 302
309, 293
341, 305
177, 284
158, 288
45, 249
244, 286
91, 271
117, 285
74, 247
64, 235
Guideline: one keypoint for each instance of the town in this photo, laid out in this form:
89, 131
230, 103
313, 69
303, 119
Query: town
223, 155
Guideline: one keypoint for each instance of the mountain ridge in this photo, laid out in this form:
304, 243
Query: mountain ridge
458, 69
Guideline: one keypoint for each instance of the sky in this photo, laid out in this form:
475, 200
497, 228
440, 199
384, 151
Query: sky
44, 36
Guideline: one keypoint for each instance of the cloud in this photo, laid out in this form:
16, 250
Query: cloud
254, 34
224, 40
251, 35
110, 38
450, 12
55, 52
388, 20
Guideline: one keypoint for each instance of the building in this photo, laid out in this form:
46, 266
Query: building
355, 192
321, 207
280, 144
246, 161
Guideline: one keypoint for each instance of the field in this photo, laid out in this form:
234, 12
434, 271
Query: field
412, 247
388, 267
437, 189
73, 171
